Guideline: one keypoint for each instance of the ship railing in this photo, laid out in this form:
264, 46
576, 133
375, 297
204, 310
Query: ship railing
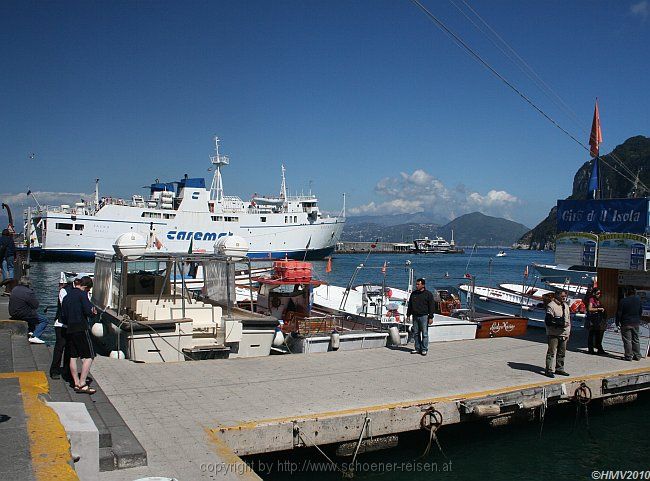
88, 209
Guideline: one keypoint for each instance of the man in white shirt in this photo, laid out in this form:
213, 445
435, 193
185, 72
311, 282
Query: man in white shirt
60, 330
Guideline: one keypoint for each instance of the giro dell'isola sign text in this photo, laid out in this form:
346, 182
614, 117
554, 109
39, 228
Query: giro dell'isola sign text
609, 215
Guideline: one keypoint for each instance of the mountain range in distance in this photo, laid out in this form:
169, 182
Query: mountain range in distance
469, 229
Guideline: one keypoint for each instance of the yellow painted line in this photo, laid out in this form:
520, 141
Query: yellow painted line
48, 443
230, 462
408, 404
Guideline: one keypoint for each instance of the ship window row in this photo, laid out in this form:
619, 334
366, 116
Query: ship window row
66, 226
287, 219
152, 215
218, 218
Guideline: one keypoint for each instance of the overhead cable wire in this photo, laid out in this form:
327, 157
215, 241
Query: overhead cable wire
461, 43
520, 63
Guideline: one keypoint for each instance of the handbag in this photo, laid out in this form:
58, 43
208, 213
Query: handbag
553, 321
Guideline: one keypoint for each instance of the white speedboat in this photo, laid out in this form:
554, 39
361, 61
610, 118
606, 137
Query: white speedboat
502, 302
501, 254
382, 307
187, 216
566, 274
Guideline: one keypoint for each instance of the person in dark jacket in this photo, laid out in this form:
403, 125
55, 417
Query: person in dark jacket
75, 311
7, 255
596, 322
23, 306
420, 310
628, 317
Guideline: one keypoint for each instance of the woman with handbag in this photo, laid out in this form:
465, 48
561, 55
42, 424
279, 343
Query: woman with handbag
596, 322
558, 329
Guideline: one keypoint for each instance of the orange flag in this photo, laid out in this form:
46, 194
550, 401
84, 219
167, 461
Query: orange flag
596, 137
328, 267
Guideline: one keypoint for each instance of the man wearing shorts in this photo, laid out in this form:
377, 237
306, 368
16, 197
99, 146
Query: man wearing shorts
75, 311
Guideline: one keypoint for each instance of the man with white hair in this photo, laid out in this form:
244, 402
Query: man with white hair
23, 306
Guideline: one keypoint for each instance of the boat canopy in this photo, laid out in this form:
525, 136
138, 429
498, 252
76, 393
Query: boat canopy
162, 187
196, 182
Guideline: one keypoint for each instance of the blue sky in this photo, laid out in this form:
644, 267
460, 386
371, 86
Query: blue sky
363, 97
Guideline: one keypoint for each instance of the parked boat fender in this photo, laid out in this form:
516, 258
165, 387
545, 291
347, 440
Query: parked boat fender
486, 410
393, 335
117, 355
335, 340
98, 330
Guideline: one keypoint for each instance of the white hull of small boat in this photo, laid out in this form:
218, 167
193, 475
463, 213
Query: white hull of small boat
500, 302
562, 274
526, 291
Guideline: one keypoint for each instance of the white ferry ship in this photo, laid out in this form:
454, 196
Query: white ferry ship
186, 215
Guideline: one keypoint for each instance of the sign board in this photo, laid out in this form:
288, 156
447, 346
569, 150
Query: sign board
607, 215
634, 278
622, 251
577, 248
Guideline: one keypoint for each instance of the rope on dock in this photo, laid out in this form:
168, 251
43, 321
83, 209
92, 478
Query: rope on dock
542, 410
350, 472
431, 421
302, 436
582, 397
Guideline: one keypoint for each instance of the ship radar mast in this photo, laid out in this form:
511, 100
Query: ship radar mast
283, 187
218, 160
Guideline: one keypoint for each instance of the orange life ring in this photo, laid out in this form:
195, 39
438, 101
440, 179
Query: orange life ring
578, 306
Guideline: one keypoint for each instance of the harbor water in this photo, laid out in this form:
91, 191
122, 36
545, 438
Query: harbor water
440, 270
564, 446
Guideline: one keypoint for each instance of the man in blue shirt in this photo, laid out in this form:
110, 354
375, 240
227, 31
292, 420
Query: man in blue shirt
75, 311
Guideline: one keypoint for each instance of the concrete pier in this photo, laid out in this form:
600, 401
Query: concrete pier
195, 418
192, 420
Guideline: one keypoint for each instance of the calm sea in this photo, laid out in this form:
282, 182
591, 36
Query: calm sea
566, 447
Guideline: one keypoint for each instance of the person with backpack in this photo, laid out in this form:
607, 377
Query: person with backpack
558, 329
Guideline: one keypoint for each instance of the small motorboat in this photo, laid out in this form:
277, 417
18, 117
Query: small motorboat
566, 274
502, 254
502, 302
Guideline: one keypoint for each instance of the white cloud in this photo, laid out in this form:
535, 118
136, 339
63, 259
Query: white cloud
422, 192
641, 9
56, 198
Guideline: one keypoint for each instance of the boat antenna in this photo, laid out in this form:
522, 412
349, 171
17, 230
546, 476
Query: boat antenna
29, 192
470, 257
96, 193
218, 160
343, 210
